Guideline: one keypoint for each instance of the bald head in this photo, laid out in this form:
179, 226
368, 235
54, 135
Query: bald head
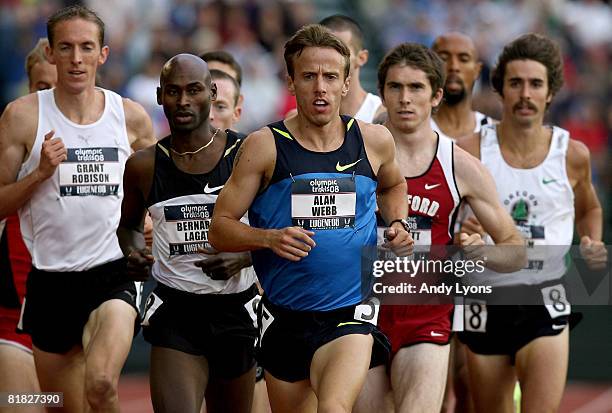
460, 57
187, 63
458, 40
186, 92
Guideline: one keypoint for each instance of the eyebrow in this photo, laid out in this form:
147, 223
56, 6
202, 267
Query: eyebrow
529, 79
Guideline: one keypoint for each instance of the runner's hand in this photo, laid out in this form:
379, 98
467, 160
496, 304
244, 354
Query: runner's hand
594, 253
139, 264
472, 226
52, 153
223, 265
292, 243
399, 241
473, 245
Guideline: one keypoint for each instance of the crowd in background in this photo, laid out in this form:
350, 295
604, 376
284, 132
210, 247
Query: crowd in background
142, 34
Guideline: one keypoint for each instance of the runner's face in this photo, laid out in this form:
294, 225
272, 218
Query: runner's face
526, 92
462, 67
407, 97
224, 113
186, 94
318, 83
42, 76
76, 52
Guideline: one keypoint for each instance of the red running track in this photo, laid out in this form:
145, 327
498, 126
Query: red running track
579, 397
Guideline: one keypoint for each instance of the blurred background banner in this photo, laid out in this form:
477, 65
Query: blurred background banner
142, 34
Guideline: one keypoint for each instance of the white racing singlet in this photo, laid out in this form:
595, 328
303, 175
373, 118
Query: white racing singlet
181, 207
541, 202
70, 221
368, 108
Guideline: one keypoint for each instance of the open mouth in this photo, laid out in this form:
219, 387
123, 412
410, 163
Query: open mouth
320, 105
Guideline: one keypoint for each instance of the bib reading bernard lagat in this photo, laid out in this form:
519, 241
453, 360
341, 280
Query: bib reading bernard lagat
81, 202
334, 195
181, 207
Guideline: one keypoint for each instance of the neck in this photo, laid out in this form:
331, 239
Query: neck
319, 138
354, 99
521, 139
456, 118
189, 141
415, 141
81, 108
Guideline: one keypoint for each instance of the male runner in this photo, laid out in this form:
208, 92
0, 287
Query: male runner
544, 180
439, 176
357, 103
62, 153
225, 111
455, 116
177, 180
17, 370
311, 193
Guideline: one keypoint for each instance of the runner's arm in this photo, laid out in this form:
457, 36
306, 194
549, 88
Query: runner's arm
392, 188
253, 169
18, 126
254, 161
589, 215
137, 180
476, 185
138, 125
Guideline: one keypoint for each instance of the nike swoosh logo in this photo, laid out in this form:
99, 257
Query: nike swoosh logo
428, 187
341, 168
229, 150
558, 327
434, 334
208, 190
548, 181
349, 323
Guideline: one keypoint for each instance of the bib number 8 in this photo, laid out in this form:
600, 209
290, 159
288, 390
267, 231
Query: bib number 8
475, 315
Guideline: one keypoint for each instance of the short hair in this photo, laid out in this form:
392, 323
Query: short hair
220, 74
531, 46
416, 56
226, 58
36, 55
75, 12
315, 35
340, 23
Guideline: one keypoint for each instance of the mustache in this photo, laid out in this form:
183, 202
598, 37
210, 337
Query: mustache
524, 103
454, 78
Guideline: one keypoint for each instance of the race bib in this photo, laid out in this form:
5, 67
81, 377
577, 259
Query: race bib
90, 171
475, 315
187, 227
534, 236
153, 303
266, 320
420, 229
555, 301
368, 311
319, 204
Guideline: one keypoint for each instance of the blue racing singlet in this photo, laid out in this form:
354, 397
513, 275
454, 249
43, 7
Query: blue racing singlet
332, 194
